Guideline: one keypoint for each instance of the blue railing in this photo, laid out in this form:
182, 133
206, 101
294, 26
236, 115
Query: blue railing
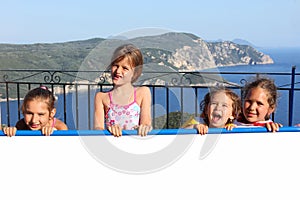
154, 132
178, 93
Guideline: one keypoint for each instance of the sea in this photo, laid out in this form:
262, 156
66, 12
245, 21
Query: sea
284, 60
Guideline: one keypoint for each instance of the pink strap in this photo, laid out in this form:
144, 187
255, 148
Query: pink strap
110, 97
53, 123
134, 95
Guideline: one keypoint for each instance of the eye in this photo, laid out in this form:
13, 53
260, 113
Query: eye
248, 101
27, 113
225, 105
260, 103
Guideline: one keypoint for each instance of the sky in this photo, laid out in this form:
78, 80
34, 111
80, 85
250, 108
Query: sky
264, 23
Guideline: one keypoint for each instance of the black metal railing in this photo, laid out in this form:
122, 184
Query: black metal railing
175, 96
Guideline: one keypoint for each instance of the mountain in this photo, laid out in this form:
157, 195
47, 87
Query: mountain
166, 53
243, 42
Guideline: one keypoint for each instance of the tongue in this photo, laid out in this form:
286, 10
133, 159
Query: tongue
216, 118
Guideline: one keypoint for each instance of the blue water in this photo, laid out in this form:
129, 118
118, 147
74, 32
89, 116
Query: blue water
284, 59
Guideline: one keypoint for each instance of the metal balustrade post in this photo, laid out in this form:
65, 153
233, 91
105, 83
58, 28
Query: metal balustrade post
291, 96
7, 105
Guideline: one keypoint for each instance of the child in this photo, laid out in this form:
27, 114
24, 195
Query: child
124, 107
259, 102
219, 109
38, 111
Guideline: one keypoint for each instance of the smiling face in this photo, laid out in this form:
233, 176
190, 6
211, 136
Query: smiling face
256, 106
219, 110
122, 72
36, 114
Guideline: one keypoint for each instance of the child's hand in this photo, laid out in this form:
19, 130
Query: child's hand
272, 126
10, 131
47, 130
143, 130
229, 127
201, 128
115, 129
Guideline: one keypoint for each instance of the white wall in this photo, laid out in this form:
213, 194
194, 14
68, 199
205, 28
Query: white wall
240, 166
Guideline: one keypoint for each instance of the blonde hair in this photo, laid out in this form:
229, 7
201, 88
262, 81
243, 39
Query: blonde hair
133, 54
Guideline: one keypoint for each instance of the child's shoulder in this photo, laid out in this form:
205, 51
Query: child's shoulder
142, 90
101, 95
60, 125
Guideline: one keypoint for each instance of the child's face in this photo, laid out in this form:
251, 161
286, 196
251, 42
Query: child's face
36, 114
219, 110
122, 72
256, 106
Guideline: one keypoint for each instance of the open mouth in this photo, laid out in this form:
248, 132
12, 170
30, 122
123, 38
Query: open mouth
116, 77
216, 117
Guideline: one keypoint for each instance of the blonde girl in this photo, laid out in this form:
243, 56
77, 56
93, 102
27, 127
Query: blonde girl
125, 107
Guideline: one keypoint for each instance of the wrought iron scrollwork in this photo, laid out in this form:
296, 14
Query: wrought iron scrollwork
102, 80
5, 77
181, 80
52, 78
243, 82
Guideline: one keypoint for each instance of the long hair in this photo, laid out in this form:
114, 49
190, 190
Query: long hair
271, 91
133, 54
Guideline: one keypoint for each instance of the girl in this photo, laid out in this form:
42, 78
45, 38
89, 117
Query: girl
38, 111
219, 109
124, 107
259, 102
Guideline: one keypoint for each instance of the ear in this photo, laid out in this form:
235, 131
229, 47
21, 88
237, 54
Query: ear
53, 112
231, 119
271, 110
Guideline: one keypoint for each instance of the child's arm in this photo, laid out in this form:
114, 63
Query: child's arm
145, 115
59, 125
201, 128
273, 126
99, 116
9, 131
99, 111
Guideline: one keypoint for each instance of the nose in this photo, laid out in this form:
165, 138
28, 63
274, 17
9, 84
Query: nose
218, 107
35, 118
252, 106
119, 70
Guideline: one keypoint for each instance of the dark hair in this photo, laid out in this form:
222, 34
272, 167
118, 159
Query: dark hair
236, 103
134, 56
42, 93
266, 84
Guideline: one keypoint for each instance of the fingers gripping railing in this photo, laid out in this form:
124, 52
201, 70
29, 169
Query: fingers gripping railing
155, 132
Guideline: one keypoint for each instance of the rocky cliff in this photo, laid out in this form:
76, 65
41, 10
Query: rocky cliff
168, 53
